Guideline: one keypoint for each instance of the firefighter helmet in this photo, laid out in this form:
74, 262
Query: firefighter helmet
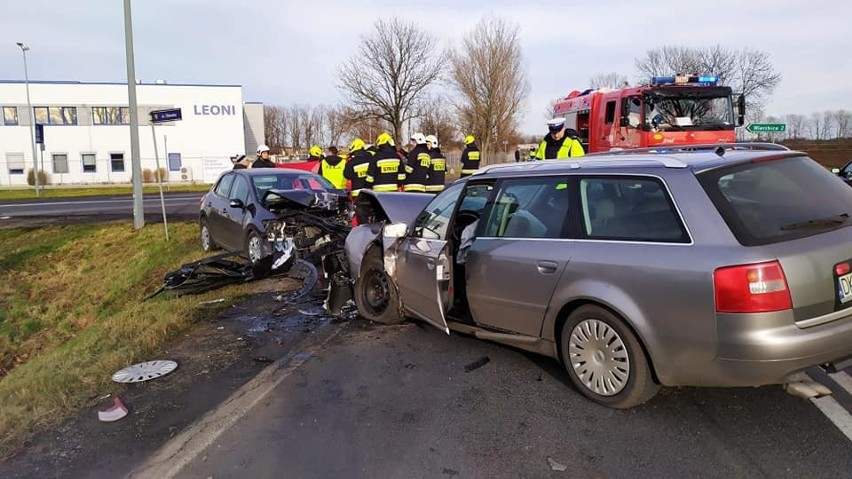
315, 151
262, 148
418, 138
432, 141
357, 144
468, 139
384, 139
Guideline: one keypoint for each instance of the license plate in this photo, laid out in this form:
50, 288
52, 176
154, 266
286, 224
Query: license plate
844, 288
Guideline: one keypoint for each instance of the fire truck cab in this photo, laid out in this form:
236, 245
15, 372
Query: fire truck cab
674, 110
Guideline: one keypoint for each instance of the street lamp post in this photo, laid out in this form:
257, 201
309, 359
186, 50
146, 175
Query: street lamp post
24, 50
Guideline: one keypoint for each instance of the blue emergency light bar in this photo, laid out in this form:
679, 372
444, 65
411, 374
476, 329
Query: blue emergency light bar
685, 80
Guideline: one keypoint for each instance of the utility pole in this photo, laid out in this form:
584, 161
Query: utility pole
135, 160
24, 50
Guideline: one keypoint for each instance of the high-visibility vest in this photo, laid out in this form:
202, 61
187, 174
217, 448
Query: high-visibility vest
570, 148
334, 174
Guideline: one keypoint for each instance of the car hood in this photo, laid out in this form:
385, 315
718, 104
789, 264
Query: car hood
392, 207
277, 200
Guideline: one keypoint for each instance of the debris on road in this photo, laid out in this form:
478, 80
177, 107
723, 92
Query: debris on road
555, 465
144, 371
114, 413
477, 364
263, 359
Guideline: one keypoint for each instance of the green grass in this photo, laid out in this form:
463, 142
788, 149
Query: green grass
72, 313
55, 192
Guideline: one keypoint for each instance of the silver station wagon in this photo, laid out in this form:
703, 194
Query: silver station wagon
703, 266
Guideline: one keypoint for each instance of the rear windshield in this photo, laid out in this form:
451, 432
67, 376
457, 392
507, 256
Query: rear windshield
778, 200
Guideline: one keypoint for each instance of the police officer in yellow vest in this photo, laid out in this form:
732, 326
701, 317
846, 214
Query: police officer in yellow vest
357, 166
558, 143
469, 157
331, 167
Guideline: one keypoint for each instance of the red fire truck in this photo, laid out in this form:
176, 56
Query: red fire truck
674, 110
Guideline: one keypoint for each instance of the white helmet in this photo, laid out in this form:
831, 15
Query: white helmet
262, 148
418, 138
432, 140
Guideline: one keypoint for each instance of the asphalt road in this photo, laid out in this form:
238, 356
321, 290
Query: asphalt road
178, 206
398, 401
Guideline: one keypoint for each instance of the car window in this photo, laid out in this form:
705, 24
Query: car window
529, 208
433, 222
773, 201
630, 209
223, 189
240, 190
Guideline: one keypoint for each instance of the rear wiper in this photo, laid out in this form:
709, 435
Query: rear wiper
818, 223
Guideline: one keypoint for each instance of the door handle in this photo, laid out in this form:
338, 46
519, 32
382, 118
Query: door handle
547, 267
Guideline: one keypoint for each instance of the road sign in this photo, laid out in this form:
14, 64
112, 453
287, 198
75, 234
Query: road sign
766, 127
39, 133
164, 116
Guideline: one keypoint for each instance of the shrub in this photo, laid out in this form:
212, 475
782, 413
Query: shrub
42, 177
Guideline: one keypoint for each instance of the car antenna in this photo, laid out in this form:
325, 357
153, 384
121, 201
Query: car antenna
720, 151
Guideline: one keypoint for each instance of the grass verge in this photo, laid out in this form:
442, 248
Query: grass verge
71, 313
53, 192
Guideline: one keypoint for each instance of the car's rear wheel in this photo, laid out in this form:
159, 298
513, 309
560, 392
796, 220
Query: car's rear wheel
254, 247
375, 293
605, 359
206, 238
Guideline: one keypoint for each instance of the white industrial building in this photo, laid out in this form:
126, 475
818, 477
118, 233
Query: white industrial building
87, 132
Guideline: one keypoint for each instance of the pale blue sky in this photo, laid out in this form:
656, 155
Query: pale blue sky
285, 52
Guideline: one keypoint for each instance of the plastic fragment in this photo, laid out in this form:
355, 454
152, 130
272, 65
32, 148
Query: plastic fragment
114, 413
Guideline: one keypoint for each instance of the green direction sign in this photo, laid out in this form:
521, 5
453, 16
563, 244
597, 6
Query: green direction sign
766, 127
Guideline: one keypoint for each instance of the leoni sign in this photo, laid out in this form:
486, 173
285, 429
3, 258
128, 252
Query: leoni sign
214, 110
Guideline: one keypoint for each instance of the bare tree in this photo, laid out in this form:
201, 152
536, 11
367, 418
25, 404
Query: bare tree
397, 62
313, 123
796, 126
815, 126
841, 123
608, 80
435, 119
335, 124
275, 119
489, 77
748, 71
827, 124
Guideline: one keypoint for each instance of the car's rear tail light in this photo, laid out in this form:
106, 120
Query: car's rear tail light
842, 268
751, 288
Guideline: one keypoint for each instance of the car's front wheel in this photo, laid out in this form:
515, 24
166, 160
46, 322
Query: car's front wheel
375, 293
605, 359
205, 236
254, 247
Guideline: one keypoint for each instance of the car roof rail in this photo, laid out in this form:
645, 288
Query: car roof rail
719, 148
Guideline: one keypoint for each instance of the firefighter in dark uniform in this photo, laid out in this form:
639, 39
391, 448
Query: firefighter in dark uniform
263, 160
417, 165
331, 167
469, 157
437, 168
386, 171
357, 166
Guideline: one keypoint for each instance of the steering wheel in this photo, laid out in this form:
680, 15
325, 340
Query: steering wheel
464, 218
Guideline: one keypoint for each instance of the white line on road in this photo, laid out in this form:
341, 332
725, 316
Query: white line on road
835, 413
843, 380
96, 202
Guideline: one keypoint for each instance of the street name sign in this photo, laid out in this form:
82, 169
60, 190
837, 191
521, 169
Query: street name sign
767, 127
165, 116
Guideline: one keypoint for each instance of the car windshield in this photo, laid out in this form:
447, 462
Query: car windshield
680, 113
290, 181
773, 201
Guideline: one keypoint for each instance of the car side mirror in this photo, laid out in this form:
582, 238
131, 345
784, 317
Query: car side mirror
625, 121
741, 107
395, 230
237, 203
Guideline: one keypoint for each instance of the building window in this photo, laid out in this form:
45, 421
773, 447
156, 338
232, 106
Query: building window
89, 163
174, 162
16, 163
111, 115
60, 163
56, 115
116, 161
10, 115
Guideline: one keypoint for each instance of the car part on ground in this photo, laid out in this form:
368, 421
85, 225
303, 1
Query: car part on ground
144, 371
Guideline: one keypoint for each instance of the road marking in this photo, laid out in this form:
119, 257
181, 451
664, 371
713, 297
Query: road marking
835, 413
843, 380
96, 202
170, 460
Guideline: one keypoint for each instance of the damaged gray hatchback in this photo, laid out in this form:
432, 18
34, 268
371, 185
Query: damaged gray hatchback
709, 266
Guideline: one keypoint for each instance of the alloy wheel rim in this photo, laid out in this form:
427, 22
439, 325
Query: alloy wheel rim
254, 248
599, 357
205, 238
